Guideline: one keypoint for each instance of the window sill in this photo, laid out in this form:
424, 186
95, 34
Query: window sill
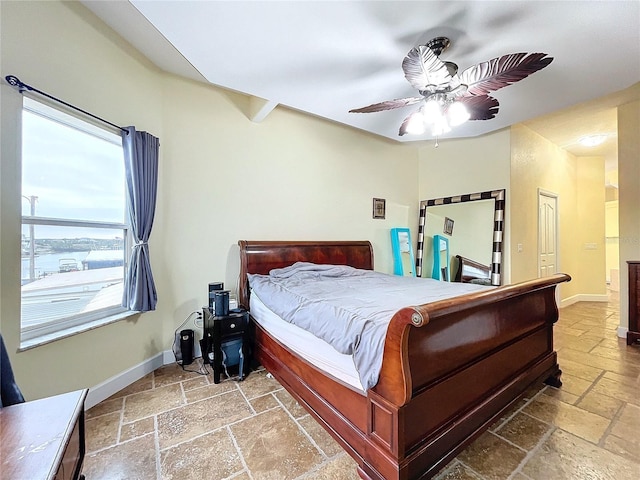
69, 332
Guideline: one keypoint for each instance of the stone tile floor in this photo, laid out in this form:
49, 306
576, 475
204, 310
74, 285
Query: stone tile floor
178, 425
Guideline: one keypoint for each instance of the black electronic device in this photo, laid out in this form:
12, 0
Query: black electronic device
214, 287
186, 346
221, 303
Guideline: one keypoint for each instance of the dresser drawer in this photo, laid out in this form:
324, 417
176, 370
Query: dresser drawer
72, 458
233, 323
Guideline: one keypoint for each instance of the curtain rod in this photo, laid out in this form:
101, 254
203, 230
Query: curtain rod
15, 81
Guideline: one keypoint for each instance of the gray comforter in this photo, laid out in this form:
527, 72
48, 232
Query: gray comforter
348, 308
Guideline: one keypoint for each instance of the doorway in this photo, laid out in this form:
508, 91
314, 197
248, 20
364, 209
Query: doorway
547, 233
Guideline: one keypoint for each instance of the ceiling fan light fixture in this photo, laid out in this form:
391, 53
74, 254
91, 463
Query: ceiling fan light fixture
440, 128
439, 112
415, 125
458, 114
592, 140
432, 111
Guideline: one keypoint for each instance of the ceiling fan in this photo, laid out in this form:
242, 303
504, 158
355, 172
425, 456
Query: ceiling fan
449, 99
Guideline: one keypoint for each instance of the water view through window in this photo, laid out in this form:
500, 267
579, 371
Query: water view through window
74, 236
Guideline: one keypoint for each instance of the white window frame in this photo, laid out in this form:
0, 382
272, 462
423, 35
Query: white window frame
62, 327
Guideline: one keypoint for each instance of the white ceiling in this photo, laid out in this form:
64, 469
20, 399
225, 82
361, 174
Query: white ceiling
327, 57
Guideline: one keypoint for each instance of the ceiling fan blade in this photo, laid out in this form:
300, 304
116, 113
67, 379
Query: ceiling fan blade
501, 72
387, 105
422, 67
480, 107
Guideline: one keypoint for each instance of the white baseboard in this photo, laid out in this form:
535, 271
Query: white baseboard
583, 298
622, 332
116, 383
168, 357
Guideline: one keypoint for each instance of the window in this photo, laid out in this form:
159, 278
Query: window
74, 235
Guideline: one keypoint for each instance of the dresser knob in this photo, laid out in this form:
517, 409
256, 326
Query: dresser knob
233, 325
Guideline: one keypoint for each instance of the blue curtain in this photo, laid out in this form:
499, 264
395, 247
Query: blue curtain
141, 170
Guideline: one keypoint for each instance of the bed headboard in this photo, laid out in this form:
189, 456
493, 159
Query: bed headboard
263, 256
470, 271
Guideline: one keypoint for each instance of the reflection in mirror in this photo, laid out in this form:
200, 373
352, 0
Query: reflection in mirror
403, 260
441, 264
471, 237
473, 225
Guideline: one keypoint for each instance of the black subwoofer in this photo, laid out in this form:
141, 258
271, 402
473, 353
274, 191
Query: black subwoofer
186, 346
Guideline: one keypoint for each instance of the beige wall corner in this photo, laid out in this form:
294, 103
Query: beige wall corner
629, 199
591, 255
259, 108
579, 185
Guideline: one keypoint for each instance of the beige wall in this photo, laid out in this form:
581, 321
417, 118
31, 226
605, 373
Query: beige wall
290, 177
579, 185
592, 251
465, 165
629, 199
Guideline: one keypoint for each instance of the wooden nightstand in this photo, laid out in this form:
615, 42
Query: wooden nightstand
43, 439
228, 337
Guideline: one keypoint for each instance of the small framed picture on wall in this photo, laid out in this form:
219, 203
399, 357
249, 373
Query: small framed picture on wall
379, 208
448, 226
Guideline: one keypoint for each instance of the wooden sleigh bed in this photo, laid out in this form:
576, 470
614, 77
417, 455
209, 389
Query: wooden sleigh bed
450, 368
470, 271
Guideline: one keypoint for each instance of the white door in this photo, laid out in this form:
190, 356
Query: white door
547, 233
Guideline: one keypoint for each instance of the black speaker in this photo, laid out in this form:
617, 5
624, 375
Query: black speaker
213, 287
221, 302
186, 346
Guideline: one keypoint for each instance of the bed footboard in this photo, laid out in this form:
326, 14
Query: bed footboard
451, 367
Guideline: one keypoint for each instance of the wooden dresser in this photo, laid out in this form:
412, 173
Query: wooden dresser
633, 335
43, 439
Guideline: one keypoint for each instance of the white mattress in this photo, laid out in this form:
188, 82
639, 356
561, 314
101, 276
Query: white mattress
313, 349
348, 308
